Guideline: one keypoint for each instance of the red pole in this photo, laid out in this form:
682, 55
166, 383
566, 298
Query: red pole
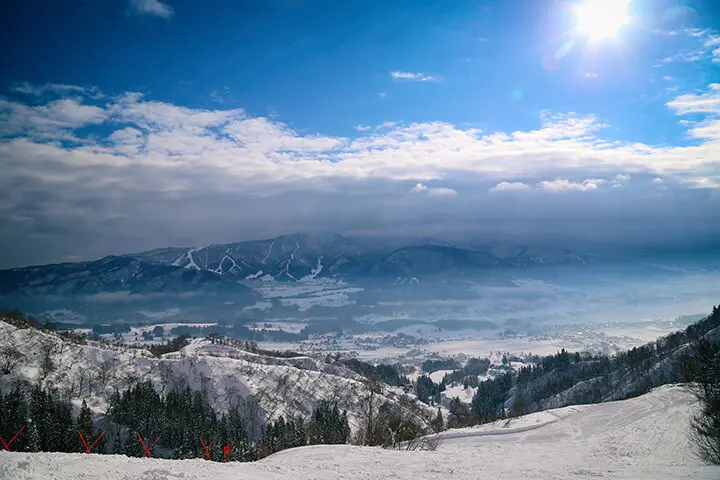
148, 449
7, 445
88, 449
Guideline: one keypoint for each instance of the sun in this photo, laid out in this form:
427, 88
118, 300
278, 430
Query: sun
601, 19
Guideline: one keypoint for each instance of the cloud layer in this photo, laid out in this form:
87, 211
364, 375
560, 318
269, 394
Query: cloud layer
413, 76
151, 7
86, 174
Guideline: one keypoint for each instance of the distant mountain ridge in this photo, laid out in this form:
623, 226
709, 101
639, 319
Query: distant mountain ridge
288, 258
285, 258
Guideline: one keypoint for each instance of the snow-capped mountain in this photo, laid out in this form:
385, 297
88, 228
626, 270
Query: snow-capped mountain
286, 258
286, 276
108, 275
289, 258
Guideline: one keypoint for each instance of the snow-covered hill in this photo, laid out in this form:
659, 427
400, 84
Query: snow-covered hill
640, 438
228, 375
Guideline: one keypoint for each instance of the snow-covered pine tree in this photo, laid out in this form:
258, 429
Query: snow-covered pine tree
438, 423
84, 425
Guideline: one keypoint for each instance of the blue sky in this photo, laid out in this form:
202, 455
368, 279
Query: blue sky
424, 109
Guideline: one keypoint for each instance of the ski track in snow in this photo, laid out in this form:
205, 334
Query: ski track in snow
640, 438
267, 255
191, 261
219, 270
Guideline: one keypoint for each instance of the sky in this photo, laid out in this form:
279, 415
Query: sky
128, 125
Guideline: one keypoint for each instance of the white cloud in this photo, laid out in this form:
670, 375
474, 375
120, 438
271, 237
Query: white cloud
417, 77
713, 44
54, 119
127, 141
657, 181
438, 191
382, 94
363, 128
510, 187
705, 43
563, 184
688, 103
703, 182
27, 88
243, 147
151, 7
145, 162
591, 74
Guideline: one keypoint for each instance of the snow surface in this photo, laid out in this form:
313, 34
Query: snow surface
438, 375
465, 395
640, 438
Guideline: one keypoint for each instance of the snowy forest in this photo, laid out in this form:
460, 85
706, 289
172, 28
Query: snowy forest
182, 423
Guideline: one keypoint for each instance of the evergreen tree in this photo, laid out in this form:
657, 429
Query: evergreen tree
705, 366
438, 424
34, 444
84, 425
13, 415
328, 425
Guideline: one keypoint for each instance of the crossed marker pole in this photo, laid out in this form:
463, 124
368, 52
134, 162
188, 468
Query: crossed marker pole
88, 449
148, 449
6, 445
206, 447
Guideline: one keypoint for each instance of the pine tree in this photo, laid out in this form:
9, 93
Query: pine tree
438, 423
328, 425
34, 443
13, 416
84, 425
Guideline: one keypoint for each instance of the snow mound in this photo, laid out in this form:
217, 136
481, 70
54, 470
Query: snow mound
640, 438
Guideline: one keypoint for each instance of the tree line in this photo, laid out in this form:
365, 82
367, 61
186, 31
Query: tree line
576, 378
179, 419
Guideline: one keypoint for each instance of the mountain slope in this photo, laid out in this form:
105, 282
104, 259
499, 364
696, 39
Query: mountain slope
227, 375
644, 437
285, 258
108, 275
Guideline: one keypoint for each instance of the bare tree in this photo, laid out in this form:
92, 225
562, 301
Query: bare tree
370, 429
10, 358
252, 413
427, 443
205, 384
165, 374
47, 365
106, 370
85, 378
92, 377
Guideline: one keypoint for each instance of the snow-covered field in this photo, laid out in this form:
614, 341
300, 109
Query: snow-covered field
465, 395
308, 292
640, 438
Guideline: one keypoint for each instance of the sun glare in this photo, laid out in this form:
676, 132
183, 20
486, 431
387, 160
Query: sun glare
599, 19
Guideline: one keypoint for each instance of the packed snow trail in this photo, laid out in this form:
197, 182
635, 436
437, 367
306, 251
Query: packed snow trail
640, 438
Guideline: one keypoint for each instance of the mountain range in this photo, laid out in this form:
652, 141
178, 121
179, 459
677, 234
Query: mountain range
322, 273
289, 258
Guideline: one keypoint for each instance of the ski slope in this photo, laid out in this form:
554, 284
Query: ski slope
640, 438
